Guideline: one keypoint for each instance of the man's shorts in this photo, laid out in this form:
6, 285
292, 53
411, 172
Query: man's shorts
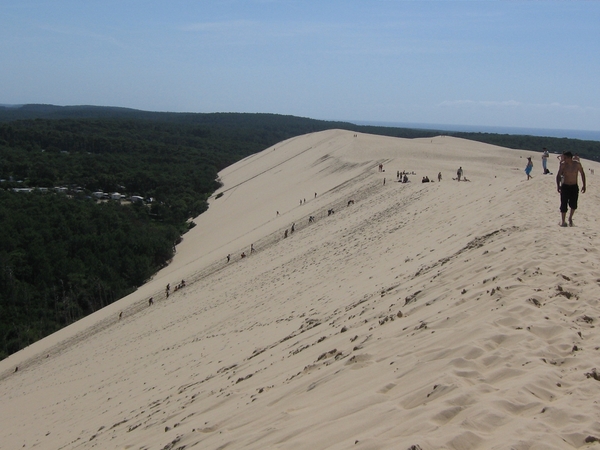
569, 193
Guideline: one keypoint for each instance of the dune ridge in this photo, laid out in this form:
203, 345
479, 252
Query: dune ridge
425, 316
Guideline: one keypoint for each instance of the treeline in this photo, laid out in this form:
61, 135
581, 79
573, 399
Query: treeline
585, 149
62, 257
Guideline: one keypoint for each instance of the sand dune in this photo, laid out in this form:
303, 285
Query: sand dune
451, 315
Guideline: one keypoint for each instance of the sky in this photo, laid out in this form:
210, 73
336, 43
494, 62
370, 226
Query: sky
480, 62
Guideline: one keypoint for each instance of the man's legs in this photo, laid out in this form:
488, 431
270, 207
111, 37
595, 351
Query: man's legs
571, 217
563, 207
568, 199
573, 202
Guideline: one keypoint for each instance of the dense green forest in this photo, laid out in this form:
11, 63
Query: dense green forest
65, 255
63, 258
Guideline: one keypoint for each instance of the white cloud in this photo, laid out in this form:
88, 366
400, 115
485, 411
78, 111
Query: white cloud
512, 104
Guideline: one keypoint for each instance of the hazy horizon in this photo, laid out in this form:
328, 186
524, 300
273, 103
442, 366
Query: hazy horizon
474, 128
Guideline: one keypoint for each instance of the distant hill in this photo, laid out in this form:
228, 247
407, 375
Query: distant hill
41, 111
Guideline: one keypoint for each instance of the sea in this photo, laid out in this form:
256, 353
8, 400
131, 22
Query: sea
587, 135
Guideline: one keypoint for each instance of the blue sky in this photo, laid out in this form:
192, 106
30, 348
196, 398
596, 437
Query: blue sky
498, 63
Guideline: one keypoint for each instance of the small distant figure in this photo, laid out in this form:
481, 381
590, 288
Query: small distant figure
182, 283
293, 227
591, 171
285, 234
120, 315
251, 248
459, 173
545, 156
566, 185
529, 168
425, 179
229, 257
439, 177
350, 202
397, 174
311, 219
150, 301
16, 369
243, 255
305, 201
277, 213
300, 201
405, 179
168, 287
330, 212
315, 195
384, 181
381, 167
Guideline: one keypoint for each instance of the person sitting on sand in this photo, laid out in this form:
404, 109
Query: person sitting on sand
566, 185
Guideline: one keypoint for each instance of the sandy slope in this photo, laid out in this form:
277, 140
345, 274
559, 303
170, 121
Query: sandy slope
435, 316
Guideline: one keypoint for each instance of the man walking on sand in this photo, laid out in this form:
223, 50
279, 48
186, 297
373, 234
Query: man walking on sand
569, 190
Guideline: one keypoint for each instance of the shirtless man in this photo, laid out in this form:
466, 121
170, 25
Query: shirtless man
569, 190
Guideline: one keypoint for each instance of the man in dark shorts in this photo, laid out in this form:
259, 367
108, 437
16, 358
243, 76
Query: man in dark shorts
569, 190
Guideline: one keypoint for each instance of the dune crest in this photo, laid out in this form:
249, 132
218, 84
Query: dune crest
443, 315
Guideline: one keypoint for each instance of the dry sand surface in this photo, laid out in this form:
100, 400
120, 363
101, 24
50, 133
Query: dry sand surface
451, 315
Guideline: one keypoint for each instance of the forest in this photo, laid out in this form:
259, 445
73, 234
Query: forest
64, 254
